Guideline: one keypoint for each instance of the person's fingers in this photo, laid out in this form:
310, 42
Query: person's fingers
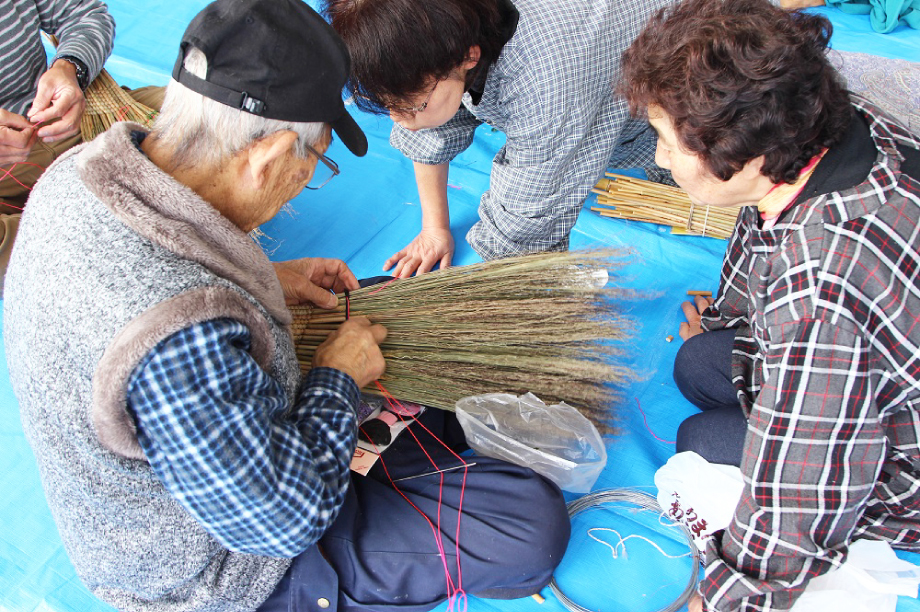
690, 311
15, 121
426, 264
702, 302
406, 267
41, 102
68, 126
16, 139
394, 259
684, 331
379, 333
445, 261
320, 296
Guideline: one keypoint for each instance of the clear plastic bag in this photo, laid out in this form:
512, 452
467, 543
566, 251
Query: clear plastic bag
556, 441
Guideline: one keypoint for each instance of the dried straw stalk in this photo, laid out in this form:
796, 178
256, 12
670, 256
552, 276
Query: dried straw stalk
107, 104
625, 197
542, 323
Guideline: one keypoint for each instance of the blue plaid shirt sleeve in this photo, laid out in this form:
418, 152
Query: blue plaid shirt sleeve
553, 97
261, 475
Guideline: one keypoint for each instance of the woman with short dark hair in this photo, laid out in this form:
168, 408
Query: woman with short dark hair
539, 70
807, 370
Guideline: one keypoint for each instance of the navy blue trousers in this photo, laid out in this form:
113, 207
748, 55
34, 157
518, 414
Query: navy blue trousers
702, 371
381, 555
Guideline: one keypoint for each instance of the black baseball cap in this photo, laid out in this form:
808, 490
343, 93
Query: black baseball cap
278, 59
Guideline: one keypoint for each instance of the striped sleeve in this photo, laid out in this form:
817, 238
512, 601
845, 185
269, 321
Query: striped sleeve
84, 27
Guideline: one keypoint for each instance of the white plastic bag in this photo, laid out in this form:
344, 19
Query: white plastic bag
870, 580
704, 496
699, 494
556, 441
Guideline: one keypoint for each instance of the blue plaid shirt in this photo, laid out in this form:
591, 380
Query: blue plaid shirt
262, 475
551, 91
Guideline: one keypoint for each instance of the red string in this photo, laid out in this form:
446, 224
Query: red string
383, 286
644, 418
8, 173
455, 594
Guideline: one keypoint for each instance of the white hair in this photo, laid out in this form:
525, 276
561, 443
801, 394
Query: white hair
199, 130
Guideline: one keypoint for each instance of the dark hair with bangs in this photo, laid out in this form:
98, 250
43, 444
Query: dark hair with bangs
740, 79
398, 46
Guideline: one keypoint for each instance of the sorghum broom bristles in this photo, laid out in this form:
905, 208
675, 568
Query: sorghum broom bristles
547, 324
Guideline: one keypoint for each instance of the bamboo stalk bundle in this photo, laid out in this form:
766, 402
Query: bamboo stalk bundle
545, 323
107, 103
624, 197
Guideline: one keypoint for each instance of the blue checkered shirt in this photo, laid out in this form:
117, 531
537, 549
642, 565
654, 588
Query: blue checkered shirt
551, 93
262, 475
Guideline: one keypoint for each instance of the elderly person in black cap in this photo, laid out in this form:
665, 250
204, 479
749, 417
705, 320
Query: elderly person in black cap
186, 461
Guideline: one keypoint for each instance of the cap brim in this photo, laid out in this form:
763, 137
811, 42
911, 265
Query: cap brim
351, 134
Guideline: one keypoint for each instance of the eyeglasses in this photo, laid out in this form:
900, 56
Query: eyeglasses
413, 110
322, 173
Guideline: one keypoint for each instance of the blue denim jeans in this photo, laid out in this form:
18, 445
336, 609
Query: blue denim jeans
702, 371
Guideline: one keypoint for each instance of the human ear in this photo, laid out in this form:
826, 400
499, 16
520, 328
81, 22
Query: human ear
752, 168
472, 58
263, 152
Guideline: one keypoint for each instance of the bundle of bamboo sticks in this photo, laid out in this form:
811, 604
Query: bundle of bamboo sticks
107, 103
624, 197
546, 323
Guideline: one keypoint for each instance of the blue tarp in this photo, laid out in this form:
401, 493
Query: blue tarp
362, 217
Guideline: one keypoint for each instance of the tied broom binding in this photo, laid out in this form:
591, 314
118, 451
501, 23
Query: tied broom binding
546, 323
624, 197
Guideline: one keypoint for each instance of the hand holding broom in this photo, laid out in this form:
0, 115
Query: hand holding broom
354, 348
546, 323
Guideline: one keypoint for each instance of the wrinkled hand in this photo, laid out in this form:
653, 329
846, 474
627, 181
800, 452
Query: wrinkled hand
17, 137
312, 280
695, 604
354, 349
59, 100
693, 311
430, 247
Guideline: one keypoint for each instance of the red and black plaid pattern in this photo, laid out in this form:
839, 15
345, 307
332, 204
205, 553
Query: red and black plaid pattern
827, 363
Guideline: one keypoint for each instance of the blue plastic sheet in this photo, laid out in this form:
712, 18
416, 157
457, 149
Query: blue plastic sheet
364, 216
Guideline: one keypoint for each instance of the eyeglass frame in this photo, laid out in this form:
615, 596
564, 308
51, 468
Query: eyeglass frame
329, 164
414, 110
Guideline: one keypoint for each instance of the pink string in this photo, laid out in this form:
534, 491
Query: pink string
383, 286
7, 173
455, 594
645, 418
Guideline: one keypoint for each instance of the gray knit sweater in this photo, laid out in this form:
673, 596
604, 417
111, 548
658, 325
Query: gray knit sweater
112, 256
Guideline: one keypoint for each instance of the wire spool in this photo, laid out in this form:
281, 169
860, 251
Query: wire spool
645, 502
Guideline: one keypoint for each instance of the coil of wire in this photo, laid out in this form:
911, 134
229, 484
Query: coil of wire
645, 502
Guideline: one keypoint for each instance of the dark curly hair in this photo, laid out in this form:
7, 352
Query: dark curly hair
398, 46
740, 79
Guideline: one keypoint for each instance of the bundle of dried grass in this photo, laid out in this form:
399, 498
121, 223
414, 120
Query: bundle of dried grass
542, 323
107, 104
624, 197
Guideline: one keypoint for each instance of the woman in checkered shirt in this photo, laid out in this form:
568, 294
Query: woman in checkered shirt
806, 366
